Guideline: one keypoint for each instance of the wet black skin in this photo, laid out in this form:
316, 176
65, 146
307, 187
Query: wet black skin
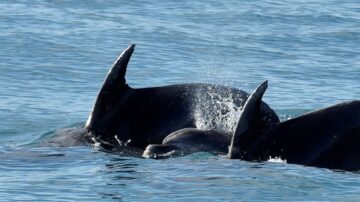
147, 115
329, 138
191, 140
188, 141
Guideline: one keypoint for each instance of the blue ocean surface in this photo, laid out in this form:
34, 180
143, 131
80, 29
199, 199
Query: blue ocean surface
54, 56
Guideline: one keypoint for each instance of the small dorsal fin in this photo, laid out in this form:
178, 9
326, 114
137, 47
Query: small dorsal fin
247, 118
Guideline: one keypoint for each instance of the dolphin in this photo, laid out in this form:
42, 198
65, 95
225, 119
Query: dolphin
188, 141
143, 116
327, 138
163, 120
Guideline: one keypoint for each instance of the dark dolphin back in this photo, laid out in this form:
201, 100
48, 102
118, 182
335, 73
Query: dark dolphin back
203, 140
329, 137
146, 116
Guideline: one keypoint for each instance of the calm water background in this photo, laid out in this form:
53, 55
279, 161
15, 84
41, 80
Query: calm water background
54, 56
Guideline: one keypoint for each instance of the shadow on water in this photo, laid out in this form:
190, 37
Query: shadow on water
57, 137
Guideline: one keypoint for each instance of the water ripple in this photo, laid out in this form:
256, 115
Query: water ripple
54, 56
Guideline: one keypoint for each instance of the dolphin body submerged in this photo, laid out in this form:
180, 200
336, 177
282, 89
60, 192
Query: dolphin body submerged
162, 120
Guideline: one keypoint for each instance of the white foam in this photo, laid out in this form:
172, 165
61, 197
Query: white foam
148, 154
276, 160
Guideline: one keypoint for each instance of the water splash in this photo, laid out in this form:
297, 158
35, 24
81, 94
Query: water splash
122, 143
276, 160
216, 108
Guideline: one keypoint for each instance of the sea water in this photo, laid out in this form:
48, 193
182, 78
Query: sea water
54, 56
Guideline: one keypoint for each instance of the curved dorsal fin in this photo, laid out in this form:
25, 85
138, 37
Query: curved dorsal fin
116, 75
247, 121
114, 85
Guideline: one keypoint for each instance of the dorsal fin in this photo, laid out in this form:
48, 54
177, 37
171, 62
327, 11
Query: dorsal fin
114, 84
116, 75
247, 121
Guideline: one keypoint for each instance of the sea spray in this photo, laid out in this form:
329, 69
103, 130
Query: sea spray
216, 110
